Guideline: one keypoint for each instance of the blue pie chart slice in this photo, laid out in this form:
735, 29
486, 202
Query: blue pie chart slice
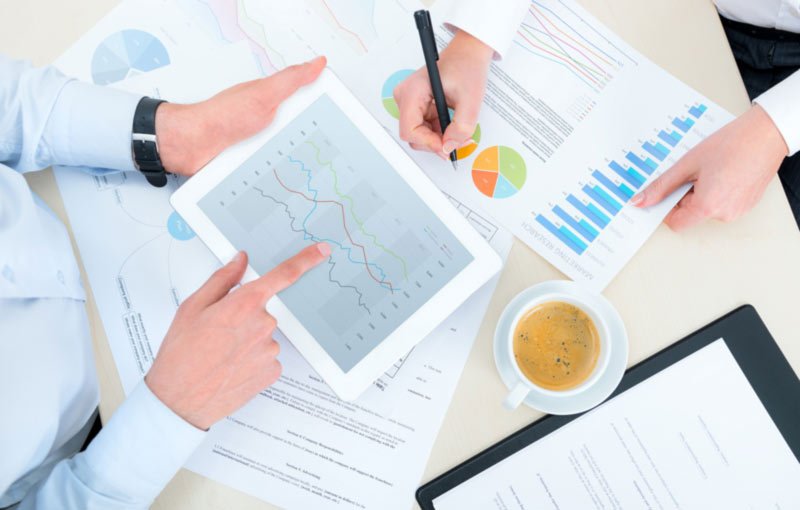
503, 188
127, 52
387, 91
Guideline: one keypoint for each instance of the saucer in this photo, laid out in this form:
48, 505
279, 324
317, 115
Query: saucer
591, 396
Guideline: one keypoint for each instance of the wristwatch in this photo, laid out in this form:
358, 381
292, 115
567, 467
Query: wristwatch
144, 143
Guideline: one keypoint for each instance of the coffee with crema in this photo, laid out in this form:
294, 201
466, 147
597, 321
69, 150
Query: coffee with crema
556, 345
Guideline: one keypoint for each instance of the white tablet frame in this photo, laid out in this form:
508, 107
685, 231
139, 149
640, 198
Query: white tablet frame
347, 385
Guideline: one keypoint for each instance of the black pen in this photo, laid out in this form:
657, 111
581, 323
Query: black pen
425, 28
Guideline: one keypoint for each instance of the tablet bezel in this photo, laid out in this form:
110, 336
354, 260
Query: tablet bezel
762, 362
485, 264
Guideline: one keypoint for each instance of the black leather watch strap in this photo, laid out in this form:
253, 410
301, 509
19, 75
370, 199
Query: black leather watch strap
144, 145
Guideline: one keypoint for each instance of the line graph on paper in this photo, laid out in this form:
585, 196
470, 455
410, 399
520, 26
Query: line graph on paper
320, 181
282, 33
554, 33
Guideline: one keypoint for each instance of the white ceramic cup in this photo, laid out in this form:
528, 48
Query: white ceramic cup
525, 386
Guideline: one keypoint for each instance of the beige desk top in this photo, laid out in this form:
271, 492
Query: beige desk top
674, 285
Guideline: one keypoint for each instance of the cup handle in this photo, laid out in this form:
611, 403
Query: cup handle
517, 395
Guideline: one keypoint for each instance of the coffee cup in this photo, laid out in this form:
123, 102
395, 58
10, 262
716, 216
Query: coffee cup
523, 386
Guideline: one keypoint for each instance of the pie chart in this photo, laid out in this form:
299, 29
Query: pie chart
387, 92
499, 172
467, 150
127, 53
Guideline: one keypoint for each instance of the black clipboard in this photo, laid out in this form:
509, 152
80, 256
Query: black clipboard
751, 344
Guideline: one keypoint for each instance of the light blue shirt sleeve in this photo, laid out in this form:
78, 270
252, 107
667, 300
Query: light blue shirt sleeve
127, 465
48, 119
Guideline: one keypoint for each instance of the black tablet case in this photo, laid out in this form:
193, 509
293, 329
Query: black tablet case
751, 344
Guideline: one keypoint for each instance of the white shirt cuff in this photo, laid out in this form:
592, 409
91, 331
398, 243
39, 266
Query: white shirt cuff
91, 126
782, 104
495, 23
139, 450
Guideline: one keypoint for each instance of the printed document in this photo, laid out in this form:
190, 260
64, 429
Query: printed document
574, 123
695, 435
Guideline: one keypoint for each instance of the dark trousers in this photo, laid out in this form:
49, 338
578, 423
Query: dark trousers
765, 58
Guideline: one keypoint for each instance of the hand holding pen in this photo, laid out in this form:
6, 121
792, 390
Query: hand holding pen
431, 53
462, 68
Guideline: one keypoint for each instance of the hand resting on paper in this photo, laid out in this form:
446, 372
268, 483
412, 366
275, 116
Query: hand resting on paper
729, 170
191, 135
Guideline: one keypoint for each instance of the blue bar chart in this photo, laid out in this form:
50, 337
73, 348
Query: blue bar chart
622, 192
581, 219
632, 176
683, 124
602, 198
697, 111
647, 165
563, 234
657, 150
579, 224
672, 138
590, 211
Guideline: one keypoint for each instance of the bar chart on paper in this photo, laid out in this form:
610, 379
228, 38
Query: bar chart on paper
586, 211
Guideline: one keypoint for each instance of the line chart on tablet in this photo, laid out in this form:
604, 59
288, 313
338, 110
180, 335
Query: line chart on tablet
315, 182
308, 191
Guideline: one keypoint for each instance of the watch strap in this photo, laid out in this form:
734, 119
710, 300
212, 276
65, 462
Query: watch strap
144, 145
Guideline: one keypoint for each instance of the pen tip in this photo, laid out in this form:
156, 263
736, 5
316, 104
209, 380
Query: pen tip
455, 165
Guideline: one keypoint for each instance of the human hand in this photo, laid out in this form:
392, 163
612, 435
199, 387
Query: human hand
730, 171
464, 66
219, 351
191, 135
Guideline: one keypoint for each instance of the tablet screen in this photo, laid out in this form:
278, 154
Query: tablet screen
320, 179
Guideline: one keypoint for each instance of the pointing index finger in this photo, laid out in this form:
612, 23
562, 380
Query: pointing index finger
289, 271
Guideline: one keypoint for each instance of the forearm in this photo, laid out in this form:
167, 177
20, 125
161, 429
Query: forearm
127, 465
494, 23
49, 119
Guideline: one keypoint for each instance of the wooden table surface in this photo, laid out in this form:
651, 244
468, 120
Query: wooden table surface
674, 285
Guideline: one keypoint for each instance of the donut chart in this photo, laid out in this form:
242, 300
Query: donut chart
125, 54
387, 92
499, 172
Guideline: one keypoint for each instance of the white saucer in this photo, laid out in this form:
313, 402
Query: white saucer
607, 382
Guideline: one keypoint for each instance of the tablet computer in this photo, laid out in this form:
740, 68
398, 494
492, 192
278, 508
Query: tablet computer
403, 258
713, 421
